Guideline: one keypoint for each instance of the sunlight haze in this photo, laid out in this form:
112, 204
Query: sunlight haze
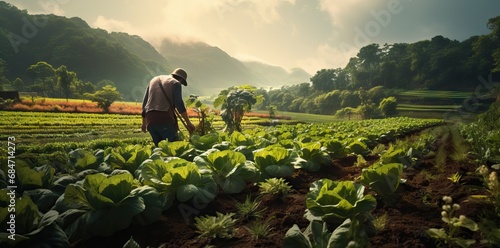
291, 33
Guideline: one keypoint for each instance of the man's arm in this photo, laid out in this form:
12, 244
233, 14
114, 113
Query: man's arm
143, 113
179, 105
189, 125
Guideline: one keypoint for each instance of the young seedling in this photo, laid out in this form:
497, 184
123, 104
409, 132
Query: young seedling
220, 226
260, 229
276, 187
449, 235
380, 222
249, 209
455, 178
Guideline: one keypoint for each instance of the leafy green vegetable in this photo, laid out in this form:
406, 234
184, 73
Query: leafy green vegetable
220, 226
125, 157
28, 228
335, 201
317, 235
383, 179
359, 148
230, 169
83, 159
295, 238
394, 155
38, 177
335, 148
204, 142
313, 156
179, 178
179, 149
276, 161
105, 204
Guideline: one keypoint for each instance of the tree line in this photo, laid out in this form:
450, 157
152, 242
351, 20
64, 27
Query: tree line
60, 82
379, 70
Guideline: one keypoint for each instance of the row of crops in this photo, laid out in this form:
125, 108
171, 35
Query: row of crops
98, 192
76, 130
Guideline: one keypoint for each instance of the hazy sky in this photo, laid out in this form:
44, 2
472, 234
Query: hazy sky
311, 34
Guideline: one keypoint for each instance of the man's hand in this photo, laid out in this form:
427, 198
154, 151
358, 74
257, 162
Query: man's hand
191, 128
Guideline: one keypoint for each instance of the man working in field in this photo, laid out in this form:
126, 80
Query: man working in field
163, 96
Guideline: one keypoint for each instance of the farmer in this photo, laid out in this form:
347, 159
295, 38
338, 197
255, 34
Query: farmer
163, 96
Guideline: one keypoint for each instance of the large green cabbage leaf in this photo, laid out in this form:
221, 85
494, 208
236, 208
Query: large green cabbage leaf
383, 179
31, 228
230, 169
102, 205
180, 178
276, 161
335, 201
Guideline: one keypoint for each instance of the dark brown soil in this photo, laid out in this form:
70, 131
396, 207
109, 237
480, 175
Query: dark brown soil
418, 209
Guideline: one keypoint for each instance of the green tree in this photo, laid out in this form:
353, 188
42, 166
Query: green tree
64, 80
376, 94
18, 84
327, 80
79, 88
234, 102
350, 99
3, 80
494, 26
323, 80
44, 78
272, 111
105, 97
388, 106
328, 103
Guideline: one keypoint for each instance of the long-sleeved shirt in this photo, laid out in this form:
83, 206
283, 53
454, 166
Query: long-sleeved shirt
155, 105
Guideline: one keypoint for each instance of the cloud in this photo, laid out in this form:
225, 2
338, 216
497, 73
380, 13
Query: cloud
46, 7
198, 18
326, 56
113, 25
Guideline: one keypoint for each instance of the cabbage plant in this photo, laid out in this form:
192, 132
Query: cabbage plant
318, 235
125, 157
29, 228
102, 204
84, 159
313, 156
384, 180
335, 201
179, 149
230, 170
276, 161
180, 179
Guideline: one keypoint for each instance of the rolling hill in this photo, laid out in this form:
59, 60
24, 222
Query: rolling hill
127, 60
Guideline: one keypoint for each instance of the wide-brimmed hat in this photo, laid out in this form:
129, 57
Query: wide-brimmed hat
182, 74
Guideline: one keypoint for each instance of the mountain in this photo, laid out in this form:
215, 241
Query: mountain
214, 70
94, 54
279, 76
127, 60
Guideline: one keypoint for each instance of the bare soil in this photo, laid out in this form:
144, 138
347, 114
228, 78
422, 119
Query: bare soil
418, 209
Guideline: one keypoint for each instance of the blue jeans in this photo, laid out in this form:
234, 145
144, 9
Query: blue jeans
163, 132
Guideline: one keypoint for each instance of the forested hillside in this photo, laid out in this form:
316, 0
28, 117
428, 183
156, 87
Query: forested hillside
378, 71
126, 60
93, 54
95, 57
